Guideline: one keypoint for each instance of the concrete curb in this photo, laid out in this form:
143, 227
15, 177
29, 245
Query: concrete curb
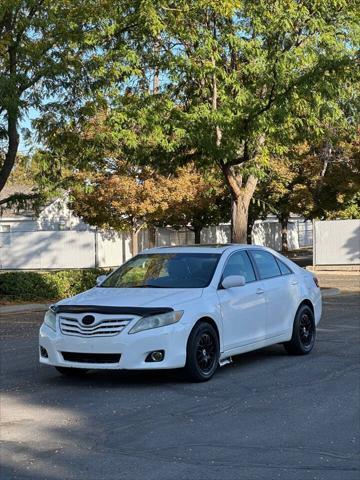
334, 271
25, 308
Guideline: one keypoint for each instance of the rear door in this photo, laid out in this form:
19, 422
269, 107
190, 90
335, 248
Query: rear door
281, 291
243, 308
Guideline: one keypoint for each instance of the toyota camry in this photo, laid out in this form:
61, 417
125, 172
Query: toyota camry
190, 307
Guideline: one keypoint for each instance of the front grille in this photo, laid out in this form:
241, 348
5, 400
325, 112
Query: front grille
102, 327
91, 357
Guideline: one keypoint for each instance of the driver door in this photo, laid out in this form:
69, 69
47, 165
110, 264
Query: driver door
243, 308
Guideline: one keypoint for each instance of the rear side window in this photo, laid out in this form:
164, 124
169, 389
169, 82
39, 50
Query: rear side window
266, 264
284, 269
239, 264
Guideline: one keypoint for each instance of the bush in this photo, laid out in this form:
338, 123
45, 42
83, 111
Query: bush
35, 286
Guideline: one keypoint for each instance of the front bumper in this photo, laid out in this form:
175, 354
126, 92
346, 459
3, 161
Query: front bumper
133, 348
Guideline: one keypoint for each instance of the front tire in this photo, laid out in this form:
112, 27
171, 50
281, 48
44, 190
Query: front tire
71, 372
304, 332
203, 353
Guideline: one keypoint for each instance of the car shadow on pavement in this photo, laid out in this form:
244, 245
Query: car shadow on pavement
152, 378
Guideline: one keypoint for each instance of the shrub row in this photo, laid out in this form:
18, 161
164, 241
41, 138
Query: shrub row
35, 286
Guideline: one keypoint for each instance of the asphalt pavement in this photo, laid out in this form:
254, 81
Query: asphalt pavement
266, 416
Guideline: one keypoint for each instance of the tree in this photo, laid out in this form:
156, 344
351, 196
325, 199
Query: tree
226, 83
329, 188
238, 80
50, 61
24, 174
132, 198
314, 183
205, 201
127, 200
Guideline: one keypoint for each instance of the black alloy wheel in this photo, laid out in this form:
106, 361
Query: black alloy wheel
206, 352
304, 332
202, 352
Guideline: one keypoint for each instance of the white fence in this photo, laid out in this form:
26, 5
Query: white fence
337, 242
51, 249
268, 233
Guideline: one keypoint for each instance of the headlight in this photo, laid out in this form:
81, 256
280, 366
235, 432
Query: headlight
156, 321
50, 319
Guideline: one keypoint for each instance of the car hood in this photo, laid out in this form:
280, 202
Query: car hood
134, 297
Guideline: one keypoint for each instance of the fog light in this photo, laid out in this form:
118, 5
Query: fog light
155, 356
43, 352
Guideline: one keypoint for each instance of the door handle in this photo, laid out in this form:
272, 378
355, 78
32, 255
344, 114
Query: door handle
295, 282
259, 291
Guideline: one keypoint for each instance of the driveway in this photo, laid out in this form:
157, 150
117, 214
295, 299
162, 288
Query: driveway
266, 416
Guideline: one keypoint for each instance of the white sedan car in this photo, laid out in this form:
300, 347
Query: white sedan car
189, 307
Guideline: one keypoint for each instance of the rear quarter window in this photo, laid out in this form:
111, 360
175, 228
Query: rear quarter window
284, 269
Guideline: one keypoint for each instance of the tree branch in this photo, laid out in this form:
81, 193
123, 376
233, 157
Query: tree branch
234, 182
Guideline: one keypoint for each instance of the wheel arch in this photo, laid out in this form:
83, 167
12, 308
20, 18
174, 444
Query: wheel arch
309, 304
211, 322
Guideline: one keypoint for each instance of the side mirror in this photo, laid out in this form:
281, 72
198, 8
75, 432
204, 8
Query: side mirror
233, 281
100, 279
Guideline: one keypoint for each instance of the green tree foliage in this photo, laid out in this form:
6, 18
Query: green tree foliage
316, 181
238, 80
54, 57
227, 84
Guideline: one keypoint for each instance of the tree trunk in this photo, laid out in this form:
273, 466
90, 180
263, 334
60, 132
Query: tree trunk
134, 242
12, 120
249, 231
284, 234
197, 231
152, 236
10, 157
241, 197
240, 218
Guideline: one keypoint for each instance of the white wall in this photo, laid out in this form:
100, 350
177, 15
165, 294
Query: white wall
89, 248
45, 250
268, 233
337, 242
112, 249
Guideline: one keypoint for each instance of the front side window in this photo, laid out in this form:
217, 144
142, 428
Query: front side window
266, 264
239, 264
165, 270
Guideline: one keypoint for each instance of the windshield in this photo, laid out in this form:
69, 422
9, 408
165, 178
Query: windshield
165, 270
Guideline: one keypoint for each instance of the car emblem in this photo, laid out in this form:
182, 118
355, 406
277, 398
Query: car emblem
88, 320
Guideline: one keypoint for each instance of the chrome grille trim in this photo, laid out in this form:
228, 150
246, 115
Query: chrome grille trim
104, 327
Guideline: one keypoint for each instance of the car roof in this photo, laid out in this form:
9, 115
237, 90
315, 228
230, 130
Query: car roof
198, 248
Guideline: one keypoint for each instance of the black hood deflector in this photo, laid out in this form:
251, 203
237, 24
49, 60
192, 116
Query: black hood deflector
140, 311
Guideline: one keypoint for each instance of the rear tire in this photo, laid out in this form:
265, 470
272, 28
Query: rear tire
203, 353
71, 372
304, 332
